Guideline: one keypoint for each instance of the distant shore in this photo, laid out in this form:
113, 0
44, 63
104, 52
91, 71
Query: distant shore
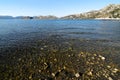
107, 18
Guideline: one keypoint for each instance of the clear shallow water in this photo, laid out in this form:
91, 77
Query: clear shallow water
41, 43
12, 30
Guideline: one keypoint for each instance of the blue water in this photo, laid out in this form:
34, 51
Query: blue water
12, 30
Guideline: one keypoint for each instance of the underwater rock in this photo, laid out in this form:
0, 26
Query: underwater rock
77, 75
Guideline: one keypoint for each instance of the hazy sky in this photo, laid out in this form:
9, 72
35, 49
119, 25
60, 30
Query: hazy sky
51, 7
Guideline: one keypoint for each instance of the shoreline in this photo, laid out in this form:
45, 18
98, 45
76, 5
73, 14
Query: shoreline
107, 18
117, 19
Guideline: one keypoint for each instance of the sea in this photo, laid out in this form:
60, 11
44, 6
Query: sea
13, 30
29, 44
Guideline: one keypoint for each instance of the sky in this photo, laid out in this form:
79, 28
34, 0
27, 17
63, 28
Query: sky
51, 7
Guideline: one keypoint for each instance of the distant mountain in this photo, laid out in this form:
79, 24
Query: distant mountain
6, 17
110, 11
23, 17
46, 17
29, 17
37, 17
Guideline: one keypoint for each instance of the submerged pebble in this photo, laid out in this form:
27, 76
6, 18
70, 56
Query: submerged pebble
57, 62
42, 48
115, 70
103, 58
53, 74
77, 75
109, 78
89, 73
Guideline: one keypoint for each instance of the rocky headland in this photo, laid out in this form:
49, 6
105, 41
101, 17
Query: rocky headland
109, 12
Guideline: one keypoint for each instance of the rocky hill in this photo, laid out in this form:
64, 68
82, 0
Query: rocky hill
23, 17
110, 11
45, 17
36, 17
6, 17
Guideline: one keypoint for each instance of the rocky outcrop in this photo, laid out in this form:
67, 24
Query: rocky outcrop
111, 11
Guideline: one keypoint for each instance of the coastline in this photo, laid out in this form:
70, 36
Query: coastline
107, 19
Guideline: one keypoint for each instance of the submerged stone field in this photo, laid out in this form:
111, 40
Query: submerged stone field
55, 58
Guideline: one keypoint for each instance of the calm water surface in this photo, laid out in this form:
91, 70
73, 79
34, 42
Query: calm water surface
12, 30
37, 48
